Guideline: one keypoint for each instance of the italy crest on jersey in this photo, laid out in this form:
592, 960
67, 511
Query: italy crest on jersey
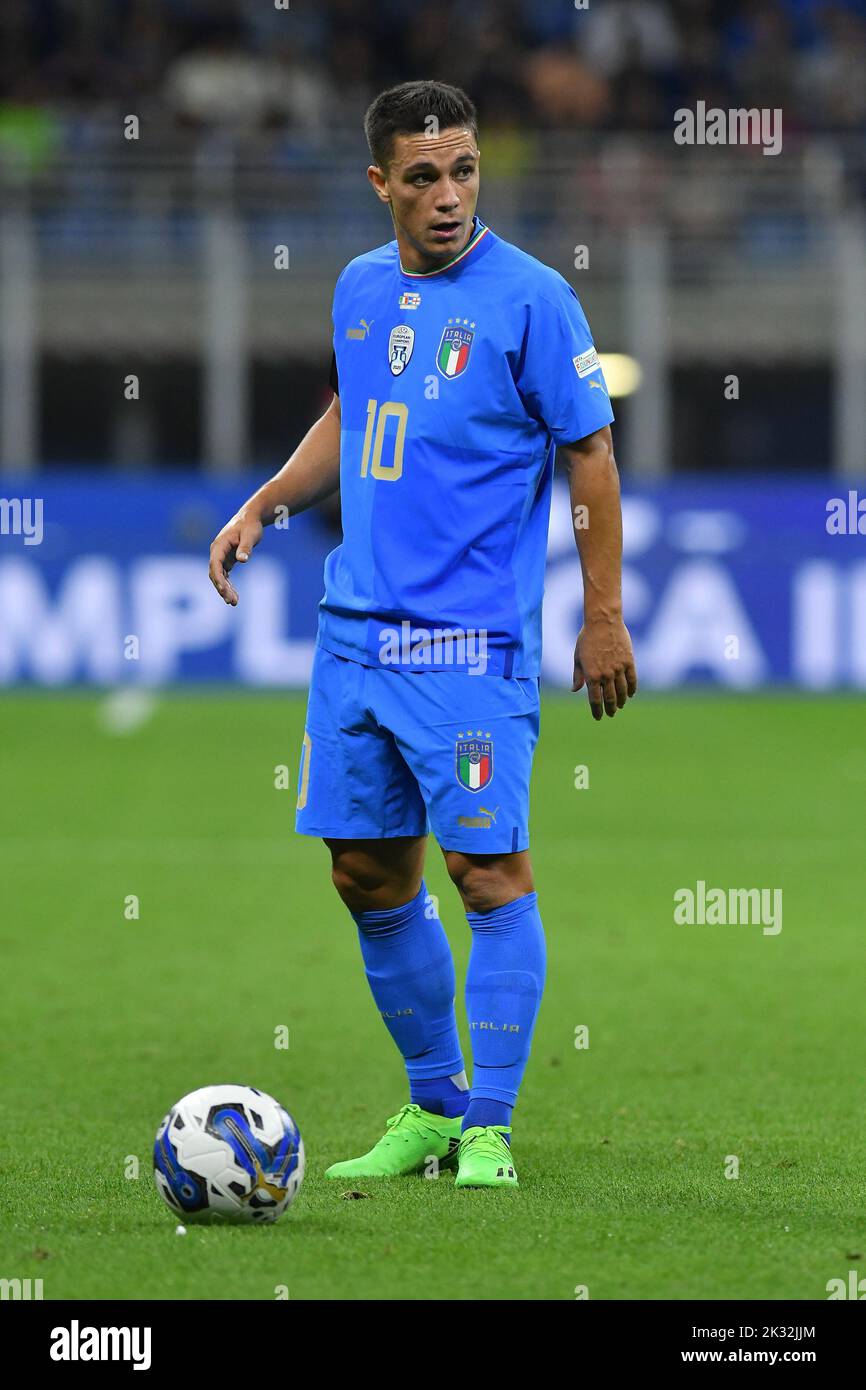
474, 763
452, 359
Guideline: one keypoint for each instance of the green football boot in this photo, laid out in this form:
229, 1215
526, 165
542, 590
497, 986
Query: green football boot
484, 1159
411, 1138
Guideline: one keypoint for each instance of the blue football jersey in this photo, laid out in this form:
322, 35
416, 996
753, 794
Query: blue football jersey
455, 387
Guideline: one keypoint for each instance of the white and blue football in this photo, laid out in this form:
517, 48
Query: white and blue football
228, 1153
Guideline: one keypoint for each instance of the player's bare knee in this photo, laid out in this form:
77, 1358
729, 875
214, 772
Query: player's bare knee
487, 883
367, 883
357, 879
479, 885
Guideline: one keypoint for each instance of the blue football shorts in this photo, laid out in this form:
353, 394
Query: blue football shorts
389, 751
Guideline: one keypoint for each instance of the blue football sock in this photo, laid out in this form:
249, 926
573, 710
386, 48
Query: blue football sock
411, 973
441, 1095
487, 1112
504, 985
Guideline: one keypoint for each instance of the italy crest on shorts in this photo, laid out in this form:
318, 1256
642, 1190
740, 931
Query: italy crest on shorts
474, 762
452, 359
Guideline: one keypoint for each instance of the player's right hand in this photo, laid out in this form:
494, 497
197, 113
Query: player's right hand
235, 542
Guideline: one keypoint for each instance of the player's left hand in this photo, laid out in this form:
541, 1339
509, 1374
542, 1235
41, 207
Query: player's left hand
604, 663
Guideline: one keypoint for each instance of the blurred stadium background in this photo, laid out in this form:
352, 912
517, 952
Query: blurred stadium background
154, 361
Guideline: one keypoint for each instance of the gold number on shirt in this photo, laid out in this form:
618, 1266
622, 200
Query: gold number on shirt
388, 472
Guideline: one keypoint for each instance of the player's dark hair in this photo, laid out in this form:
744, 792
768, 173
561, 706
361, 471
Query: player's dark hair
406, 110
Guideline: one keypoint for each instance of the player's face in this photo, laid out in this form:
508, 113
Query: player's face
431, 185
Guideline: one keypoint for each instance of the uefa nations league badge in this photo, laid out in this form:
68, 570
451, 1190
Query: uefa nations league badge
400, 345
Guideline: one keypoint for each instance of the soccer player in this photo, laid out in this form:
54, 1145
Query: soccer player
460, 363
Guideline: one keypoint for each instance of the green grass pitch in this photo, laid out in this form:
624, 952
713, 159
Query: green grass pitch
704, 1041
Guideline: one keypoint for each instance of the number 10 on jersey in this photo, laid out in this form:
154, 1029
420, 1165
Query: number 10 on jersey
375, 435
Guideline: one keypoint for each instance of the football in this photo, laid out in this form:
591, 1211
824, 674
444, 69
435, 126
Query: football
230, 1154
